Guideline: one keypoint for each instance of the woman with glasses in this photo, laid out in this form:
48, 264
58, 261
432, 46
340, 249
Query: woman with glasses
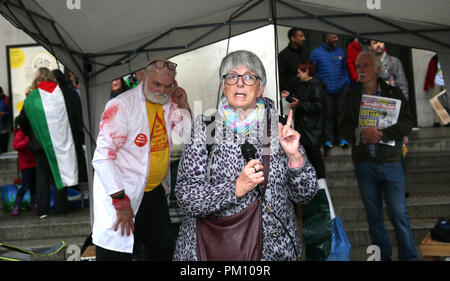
217, 178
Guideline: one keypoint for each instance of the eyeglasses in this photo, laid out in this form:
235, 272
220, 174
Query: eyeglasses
162, 64
248, 79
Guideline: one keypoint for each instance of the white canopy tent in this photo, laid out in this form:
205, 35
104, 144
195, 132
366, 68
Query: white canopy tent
100, 40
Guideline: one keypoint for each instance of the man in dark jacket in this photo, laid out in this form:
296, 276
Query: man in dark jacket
74, 113
289, 58
332, 69
378, 167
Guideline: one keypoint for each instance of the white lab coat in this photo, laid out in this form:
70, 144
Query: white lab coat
121, 161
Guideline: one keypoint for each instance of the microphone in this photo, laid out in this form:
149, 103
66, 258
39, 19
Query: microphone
249, 152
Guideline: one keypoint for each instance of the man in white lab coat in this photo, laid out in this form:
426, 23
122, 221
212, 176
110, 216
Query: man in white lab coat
131, 162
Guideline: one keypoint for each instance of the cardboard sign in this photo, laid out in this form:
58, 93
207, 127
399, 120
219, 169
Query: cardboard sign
441, 106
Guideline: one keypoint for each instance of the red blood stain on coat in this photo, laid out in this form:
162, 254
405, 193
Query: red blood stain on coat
112, 155
109, 115
118, 140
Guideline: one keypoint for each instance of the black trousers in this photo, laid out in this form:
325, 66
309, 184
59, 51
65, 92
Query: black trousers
4, 140
44, 180
28, 183
153, 239
314, 156
335, 104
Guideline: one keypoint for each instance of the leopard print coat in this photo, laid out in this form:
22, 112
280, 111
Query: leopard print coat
206, 186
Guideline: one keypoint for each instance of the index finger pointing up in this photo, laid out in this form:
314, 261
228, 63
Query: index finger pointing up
289, 120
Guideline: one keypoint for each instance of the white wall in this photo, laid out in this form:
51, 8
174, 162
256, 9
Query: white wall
198, 70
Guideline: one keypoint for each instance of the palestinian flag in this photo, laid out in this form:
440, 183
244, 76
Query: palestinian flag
46, 111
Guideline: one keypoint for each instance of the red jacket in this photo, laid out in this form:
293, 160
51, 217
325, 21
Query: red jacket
353, 51
24, 156
431, 73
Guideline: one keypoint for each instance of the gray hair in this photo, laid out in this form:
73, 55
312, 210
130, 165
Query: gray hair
376, 60
243, 58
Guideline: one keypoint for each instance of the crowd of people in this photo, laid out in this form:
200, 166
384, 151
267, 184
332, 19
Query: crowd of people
48, 136
327, 99
243, 161
327, 104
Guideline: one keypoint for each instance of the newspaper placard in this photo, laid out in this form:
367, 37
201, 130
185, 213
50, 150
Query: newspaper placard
379, 112
441, 105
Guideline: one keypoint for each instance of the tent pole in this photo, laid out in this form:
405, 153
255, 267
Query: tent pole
86, 109
273, 15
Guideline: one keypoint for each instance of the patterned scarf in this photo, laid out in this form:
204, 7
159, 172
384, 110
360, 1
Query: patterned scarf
231, 118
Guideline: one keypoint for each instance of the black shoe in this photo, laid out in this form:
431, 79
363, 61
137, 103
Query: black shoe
447, 125
437, 124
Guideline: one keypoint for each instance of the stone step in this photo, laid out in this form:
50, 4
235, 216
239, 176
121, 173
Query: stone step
419, 175
429, 145
413, 160
73, 247
433, 144
8, 171
7, 166
7, 180
29, 227
359, 253
29, 232
424, 140
358, 232
418, 208
414, 189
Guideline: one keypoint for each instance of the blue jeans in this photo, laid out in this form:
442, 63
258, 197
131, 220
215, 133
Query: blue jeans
388, 179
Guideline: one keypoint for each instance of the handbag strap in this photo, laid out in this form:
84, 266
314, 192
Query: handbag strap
266, 163
266, 159
266, 156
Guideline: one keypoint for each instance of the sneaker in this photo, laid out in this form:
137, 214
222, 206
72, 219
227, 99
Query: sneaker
328, 144
344, 144
43, 217
34, 207
15, 210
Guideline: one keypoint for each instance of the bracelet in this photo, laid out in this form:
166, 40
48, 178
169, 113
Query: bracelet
119, 195
120, 204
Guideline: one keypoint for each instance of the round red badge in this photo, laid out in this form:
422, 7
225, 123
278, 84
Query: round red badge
140, 140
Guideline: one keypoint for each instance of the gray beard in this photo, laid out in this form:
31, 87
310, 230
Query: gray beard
155, 97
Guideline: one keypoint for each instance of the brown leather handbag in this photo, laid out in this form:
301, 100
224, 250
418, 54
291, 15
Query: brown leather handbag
237, 237
234, 238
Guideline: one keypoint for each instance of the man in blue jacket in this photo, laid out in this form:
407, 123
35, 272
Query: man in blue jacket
332, 69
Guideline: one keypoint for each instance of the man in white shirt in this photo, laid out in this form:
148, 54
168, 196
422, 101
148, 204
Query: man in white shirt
131, 162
